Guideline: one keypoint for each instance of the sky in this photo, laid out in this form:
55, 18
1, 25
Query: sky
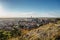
28, 8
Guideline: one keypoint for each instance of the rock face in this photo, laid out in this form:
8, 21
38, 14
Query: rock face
49, 31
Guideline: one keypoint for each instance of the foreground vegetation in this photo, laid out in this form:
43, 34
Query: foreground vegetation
46, 32
5, 35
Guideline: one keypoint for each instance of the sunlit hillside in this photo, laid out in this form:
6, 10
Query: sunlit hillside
49, 31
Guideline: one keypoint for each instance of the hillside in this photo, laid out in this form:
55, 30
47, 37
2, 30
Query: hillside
49, 31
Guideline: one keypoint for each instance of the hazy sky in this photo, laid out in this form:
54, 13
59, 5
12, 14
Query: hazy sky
28, 8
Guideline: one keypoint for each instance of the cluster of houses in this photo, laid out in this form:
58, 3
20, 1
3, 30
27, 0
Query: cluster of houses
32, 23
27, 23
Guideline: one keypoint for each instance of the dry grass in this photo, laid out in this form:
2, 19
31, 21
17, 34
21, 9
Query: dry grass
45, 32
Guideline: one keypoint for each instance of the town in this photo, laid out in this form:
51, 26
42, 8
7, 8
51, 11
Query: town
24, 23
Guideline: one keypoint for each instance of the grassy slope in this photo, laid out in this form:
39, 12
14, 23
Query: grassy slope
46, 32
